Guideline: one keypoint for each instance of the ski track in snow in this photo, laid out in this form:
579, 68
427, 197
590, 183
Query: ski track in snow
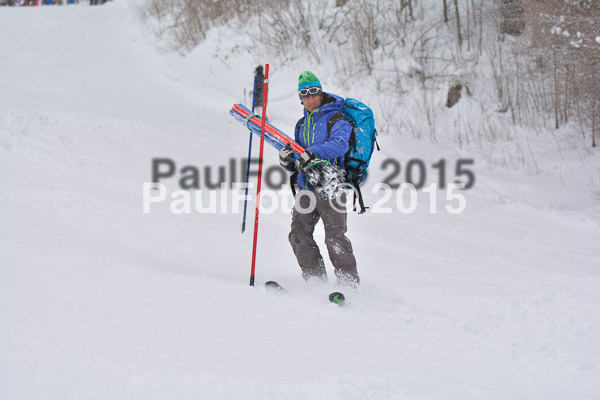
98, 300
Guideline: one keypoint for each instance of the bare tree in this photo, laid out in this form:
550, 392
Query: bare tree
553, 79
445, 12
512, 17
458, 31
564, 38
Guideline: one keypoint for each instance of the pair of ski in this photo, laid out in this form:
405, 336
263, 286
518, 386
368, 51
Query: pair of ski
334, 297
327, 179
273, 136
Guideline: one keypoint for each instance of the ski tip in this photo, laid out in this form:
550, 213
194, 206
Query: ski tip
337, 298
274, 285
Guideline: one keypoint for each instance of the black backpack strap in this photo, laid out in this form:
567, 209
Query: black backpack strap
294, 182
361, 203
338, 116
294, 176
298, 125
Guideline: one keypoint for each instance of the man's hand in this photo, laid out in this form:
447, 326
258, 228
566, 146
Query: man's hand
286, 154
306, 159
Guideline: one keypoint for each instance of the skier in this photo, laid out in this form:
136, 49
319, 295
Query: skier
259, 78
312, 134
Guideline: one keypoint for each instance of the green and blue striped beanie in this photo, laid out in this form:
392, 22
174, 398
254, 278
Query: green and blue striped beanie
307, 80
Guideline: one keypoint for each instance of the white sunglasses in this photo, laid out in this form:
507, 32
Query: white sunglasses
309, 91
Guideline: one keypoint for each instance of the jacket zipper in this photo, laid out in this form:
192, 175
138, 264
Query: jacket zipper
307, 129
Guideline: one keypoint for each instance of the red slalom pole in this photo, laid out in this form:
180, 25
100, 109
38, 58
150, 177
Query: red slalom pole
260, 164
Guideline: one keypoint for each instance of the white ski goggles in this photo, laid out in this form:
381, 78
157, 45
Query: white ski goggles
309, 91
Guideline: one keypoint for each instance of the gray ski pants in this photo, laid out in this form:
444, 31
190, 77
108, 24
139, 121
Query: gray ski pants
304, 220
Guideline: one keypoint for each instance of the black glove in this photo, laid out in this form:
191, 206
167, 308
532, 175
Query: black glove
286, 154
305, 160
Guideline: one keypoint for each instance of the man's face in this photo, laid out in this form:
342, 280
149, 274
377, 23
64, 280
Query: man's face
311, 103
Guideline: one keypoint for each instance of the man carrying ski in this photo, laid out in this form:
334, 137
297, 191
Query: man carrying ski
326, 143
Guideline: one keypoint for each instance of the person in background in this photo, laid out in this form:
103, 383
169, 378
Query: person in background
259, 77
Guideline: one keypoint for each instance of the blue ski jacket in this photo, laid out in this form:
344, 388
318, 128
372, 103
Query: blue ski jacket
311, 133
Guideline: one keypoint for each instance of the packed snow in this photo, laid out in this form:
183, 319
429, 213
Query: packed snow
99, 300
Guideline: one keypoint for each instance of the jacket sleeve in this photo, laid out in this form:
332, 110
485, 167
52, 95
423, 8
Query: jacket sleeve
337, 145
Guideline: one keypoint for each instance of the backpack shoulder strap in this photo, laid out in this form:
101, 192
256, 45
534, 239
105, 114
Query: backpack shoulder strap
298, 124
361, 202
332, 120
294, 176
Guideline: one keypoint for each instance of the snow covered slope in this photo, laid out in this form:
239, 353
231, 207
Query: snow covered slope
101, 301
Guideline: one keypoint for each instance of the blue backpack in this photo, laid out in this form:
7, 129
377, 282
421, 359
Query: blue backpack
363, 140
